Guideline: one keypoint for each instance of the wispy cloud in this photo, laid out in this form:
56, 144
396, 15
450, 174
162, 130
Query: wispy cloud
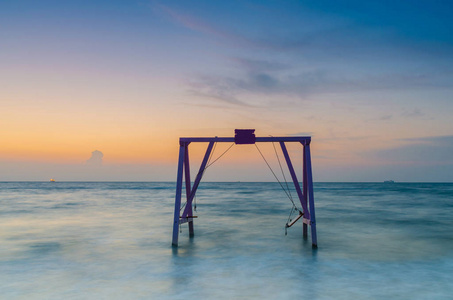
314, 36
321, 54
259, 65
301, 134
413, 113
302, 84
217, 94
386, 117
197, 24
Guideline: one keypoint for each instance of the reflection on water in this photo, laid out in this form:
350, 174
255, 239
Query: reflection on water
112, 241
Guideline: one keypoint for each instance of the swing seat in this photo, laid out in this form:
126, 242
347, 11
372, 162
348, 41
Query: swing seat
183, 220
295, 220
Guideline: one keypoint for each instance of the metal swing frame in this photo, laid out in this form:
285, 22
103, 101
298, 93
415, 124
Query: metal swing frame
242, 136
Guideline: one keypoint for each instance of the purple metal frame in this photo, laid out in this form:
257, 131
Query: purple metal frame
305, 195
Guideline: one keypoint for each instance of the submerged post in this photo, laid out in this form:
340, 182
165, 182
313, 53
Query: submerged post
305, 189
188, 188
242, 137
182, 150
311, 200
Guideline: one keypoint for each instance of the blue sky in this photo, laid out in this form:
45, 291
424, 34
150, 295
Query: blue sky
371, 81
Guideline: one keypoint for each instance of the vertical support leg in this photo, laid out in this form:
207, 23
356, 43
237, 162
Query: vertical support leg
188, 189
314, 241
182, 150
305, 189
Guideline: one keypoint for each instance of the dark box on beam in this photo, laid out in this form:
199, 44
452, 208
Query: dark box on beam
244, 136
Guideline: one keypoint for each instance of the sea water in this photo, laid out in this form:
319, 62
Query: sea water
75, 240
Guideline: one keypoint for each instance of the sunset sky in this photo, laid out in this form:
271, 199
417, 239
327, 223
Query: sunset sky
370, 81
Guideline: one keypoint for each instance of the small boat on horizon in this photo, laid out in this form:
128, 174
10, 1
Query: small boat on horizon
389, 181
52, 180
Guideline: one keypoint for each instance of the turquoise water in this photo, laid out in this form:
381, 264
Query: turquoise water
71, 240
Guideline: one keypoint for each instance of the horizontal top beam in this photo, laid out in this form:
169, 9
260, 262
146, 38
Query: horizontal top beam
302, 139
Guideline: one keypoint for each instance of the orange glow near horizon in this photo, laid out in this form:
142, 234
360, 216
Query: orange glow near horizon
127, 145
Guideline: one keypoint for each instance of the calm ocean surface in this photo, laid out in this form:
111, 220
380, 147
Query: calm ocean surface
74, 240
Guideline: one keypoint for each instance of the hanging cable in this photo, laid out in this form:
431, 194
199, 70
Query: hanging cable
182, 207
272, 171
201, 172
289, 220
211, 155
210, 164
209, 159
195, 203
294, 208
281, 169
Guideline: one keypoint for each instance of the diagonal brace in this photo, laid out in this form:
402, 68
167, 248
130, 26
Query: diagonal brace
197, 181
295, 181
